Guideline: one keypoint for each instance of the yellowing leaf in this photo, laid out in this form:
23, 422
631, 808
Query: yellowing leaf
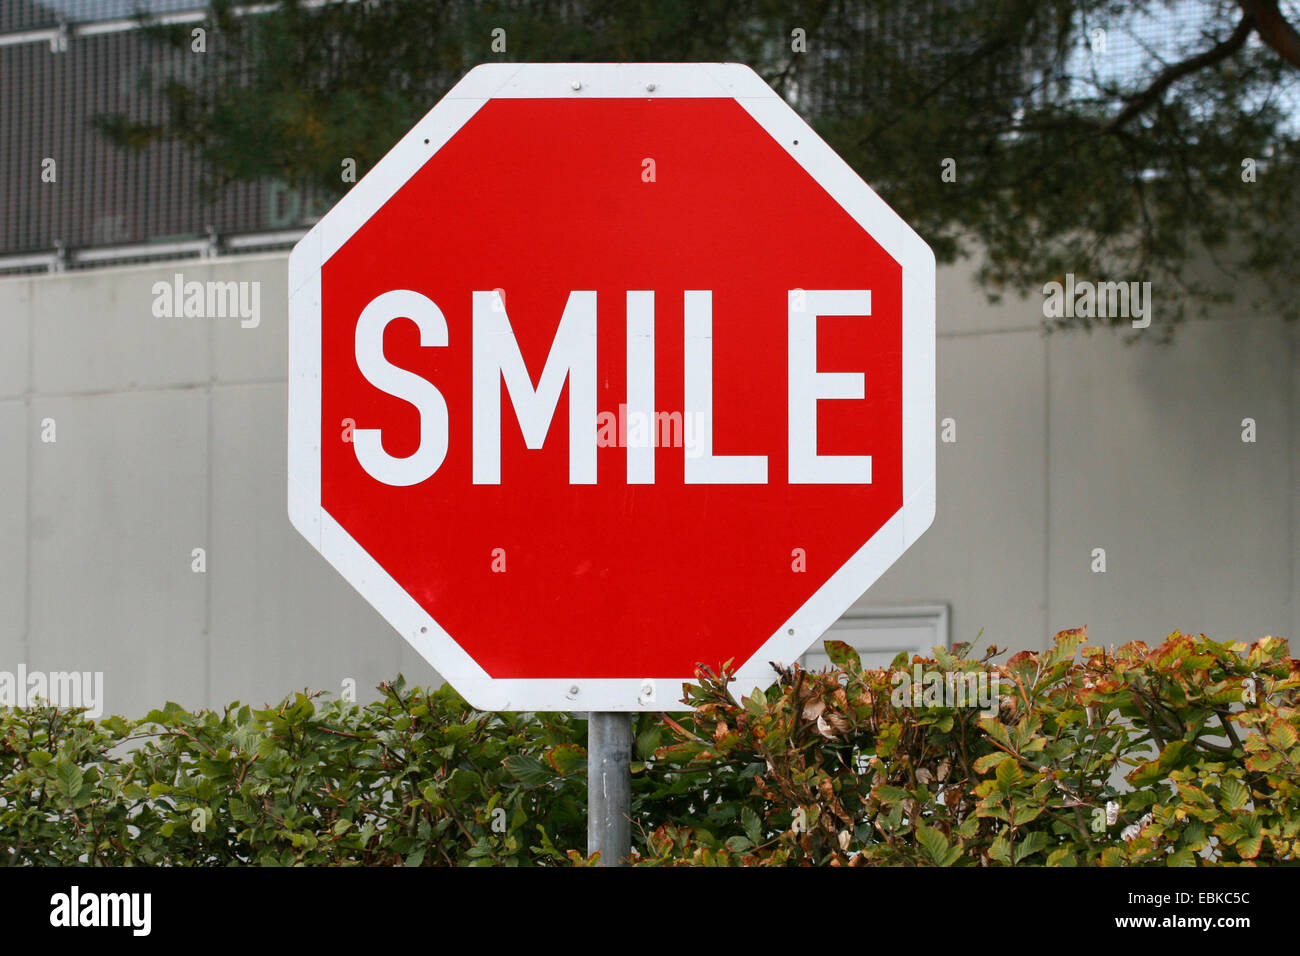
1282, 735
1008, 774
1235, 794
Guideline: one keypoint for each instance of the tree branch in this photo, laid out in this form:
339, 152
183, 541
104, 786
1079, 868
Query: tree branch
1273, 28
1220, 51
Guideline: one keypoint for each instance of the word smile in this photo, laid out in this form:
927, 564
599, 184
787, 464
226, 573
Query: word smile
572, 359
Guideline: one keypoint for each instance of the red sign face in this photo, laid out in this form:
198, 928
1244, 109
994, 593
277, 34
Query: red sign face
609, 382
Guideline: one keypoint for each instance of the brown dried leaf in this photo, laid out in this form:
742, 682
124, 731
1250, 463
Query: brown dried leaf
839, 723
813, 708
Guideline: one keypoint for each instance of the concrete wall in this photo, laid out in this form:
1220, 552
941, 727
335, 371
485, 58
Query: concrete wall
171, 437
1073, 441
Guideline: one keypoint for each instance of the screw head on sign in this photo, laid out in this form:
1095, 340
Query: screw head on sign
573, 692
650, 87
576, 84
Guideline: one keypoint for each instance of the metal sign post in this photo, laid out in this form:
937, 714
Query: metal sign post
609, 786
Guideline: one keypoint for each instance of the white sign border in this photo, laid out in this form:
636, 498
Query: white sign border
608, 80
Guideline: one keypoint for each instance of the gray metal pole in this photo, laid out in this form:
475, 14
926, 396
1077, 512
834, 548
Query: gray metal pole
609, 787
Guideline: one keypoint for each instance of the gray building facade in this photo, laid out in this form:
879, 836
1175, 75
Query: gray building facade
144, 531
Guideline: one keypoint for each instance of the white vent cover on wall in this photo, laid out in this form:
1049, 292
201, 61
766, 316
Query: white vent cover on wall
879, 634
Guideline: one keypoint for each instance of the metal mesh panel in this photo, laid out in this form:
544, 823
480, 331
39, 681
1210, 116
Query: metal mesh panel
1131, 43
17, 15
152, 202
102, 195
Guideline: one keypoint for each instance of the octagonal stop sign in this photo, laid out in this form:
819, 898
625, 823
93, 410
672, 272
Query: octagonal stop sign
608, 370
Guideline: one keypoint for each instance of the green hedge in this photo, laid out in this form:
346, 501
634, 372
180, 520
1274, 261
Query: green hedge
1182, 754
